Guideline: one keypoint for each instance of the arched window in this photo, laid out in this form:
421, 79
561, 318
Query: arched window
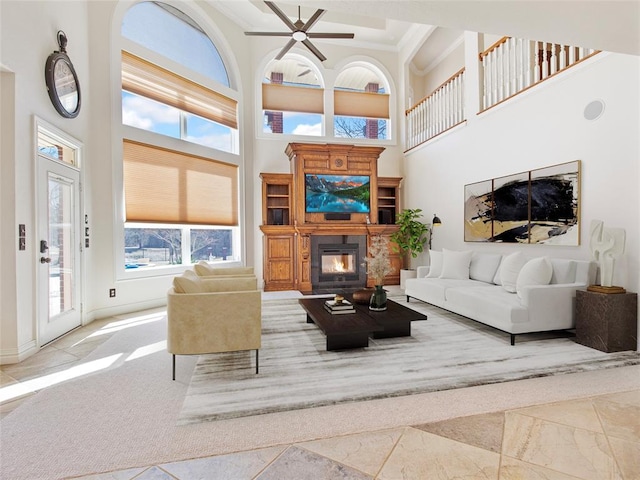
361, 103
292, 97
180, 198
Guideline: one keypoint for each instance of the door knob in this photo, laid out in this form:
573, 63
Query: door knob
45, 260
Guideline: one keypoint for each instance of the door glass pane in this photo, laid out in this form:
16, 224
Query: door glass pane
60, 246
55, 149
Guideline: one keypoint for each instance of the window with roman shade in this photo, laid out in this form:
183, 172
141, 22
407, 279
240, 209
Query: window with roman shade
361, 103
180, 200
166, 186
161, 85
292, 97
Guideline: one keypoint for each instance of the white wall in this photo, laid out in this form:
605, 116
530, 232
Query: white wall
542, 127
443, 70
28, 36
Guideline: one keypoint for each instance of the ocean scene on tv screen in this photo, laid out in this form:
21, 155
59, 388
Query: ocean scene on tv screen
337, 193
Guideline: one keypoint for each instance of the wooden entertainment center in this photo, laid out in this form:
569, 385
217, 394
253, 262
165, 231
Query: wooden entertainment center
289, 228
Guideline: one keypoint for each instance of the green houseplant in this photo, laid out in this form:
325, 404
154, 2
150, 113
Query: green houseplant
412, 234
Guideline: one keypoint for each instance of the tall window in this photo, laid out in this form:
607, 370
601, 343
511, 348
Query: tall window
180, 206
361, 104
292, 97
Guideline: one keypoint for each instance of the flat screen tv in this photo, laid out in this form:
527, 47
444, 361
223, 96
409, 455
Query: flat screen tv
337, 193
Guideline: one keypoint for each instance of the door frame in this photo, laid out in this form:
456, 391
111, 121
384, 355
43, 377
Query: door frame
75, 144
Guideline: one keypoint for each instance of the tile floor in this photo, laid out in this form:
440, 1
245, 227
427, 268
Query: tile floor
594, 438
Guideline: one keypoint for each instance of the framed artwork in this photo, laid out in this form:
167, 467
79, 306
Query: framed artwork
539, 206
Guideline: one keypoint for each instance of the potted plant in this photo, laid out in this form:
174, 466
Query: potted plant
410, 237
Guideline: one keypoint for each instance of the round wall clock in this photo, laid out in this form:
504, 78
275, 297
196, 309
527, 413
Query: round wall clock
62, 81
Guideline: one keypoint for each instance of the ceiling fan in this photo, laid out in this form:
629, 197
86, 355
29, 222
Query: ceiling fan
299, 32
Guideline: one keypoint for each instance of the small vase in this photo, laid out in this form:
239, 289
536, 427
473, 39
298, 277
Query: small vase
378, 302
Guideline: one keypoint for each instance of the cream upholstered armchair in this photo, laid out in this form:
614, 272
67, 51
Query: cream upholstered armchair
211, 315
205, 269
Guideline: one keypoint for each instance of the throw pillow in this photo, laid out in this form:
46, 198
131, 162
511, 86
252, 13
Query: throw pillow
190, 274
484, 266
564, 271
509, 270
203, 269
186, 284
537, 271
455, 265
435, 264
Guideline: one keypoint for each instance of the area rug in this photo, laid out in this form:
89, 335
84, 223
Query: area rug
446, 351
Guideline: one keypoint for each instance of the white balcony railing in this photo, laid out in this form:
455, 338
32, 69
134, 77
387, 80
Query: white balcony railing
512, 65
437, 112
508, 67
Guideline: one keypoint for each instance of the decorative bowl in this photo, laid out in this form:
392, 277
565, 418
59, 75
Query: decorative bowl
363, 296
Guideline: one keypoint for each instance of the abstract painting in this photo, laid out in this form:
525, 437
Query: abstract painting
539, 206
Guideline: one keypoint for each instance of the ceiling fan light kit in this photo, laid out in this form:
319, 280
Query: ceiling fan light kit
299, 32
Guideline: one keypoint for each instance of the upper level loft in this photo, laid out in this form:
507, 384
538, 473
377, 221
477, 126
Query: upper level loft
469, 79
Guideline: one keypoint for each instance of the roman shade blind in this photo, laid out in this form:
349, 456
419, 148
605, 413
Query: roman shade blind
165, 186
284, 98
149, 80
361, 104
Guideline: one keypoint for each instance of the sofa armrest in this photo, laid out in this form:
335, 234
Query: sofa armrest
422, 271
551, 305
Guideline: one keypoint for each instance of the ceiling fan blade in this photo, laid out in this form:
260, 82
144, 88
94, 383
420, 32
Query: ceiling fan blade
314, 18
282, 16
330, 35
286, 48
269, 34
314, 50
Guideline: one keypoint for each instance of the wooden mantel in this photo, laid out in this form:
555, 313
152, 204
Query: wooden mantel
288, 229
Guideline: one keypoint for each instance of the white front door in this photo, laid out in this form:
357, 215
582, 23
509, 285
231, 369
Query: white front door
58, 249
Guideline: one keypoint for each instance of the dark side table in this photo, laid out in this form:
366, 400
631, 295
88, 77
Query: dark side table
607, 322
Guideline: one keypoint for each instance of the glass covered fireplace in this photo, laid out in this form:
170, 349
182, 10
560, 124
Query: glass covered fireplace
337, 261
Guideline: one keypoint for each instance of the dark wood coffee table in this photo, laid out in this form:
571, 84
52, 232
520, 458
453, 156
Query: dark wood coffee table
343, 331
352, 330
396, 320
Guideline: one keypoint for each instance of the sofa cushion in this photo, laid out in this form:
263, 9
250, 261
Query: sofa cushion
435, 264
490, 304
434, 290
187, 284
455, 265
509, 270
484, 266
564, 271
496, 278
537, 271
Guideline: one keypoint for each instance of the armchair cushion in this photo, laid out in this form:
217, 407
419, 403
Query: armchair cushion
187, 283
204, 269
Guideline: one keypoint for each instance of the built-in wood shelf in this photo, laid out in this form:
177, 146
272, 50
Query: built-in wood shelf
276, 198
288, 228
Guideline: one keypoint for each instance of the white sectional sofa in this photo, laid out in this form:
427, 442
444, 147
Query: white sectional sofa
513, 293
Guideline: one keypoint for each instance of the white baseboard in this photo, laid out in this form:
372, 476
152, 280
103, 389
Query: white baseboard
17, 355
123, 309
